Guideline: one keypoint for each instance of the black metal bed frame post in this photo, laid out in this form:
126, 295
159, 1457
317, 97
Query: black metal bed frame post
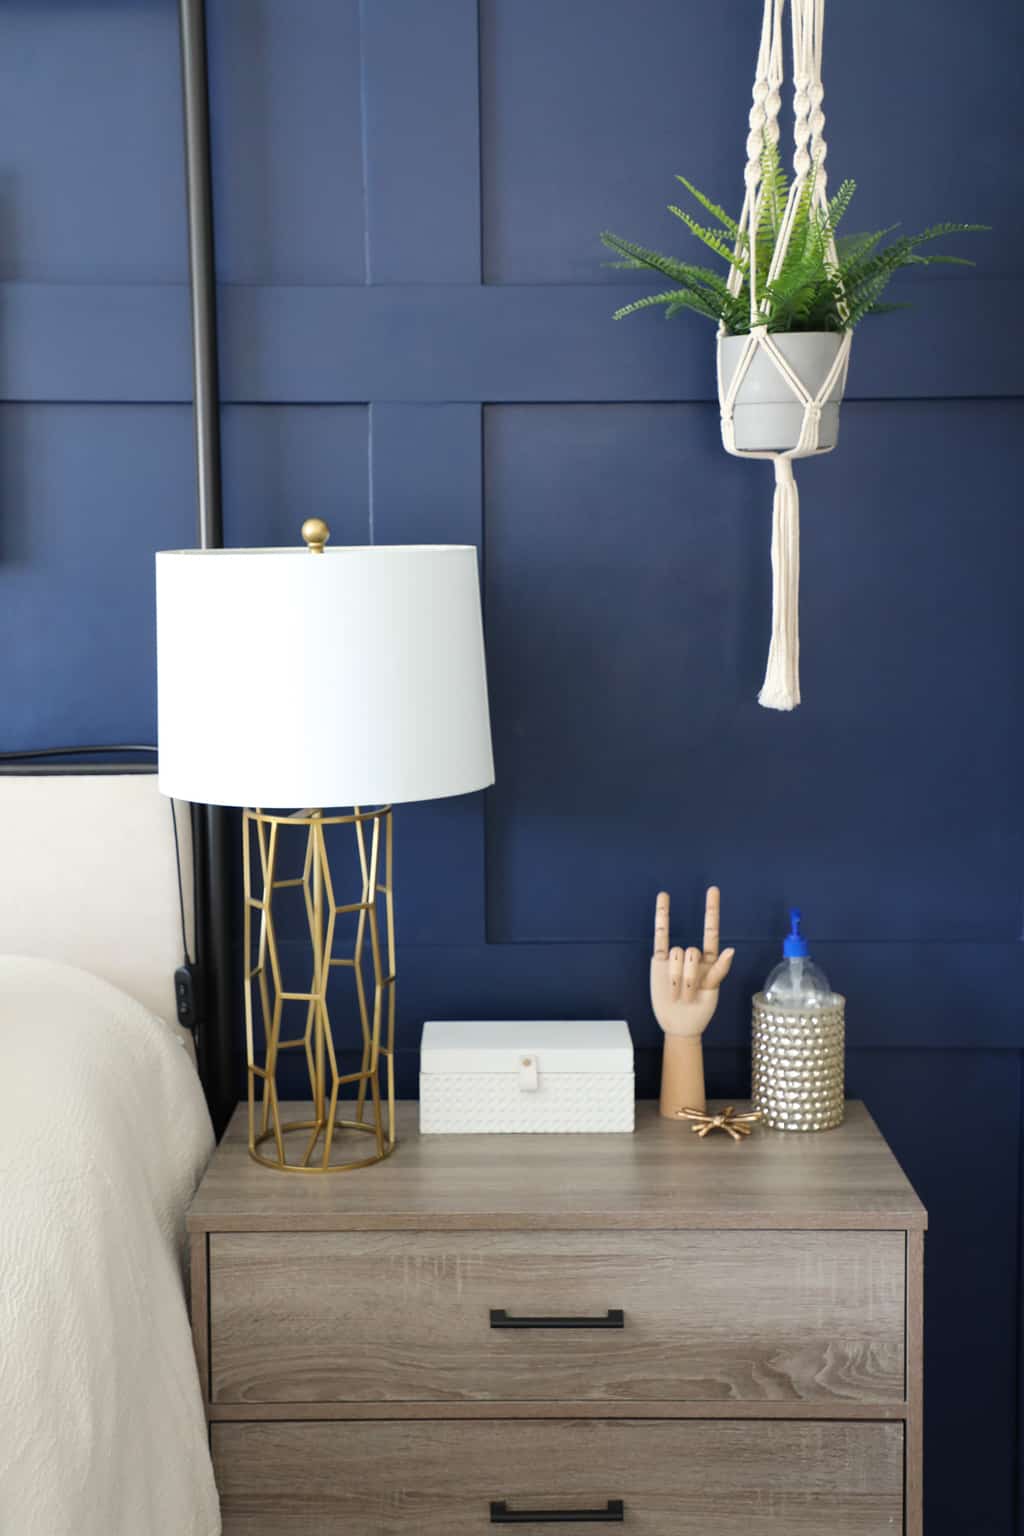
211, 824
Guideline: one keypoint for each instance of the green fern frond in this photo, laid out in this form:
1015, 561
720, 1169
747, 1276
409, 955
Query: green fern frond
938, 231
648, 302
652, 260
867, 269
815, 289
705, 278
803, 253
838, 205
710, 207
853, 247
931, 261
684, 299
715, 239
774, 193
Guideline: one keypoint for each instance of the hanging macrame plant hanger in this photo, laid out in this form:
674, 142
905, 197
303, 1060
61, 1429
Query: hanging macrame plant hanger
781, 687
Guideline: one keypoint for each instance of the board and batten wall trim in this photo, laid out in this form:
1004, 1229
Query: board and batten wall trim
419, 347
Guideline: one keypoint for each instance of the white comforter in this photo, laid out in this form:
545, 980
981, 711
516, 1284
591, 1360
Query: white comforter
103, 1136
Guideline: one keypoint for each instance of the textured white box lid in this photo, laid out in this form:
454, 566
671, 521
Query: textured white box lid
558, 1045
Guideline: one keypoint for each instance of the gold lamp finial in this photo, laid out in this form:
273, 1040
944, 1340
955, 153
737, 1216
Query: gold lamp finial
316, 533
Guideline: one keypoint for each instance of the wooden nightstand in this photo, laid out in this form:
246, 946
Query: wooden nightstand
681, 1336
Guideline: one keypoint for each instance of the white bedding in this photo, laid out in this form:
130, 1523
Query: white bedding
104, 1135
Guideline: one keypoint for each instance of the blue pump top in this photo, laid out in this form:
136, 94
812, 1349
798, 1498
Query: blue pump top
794, 945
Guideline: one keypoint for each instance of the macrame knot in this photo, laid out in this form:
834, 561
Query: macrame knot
817, 93
813, 410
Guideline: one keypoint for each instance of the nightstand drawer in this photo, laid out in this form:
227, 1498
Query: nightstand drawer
706, 1316
663, 1479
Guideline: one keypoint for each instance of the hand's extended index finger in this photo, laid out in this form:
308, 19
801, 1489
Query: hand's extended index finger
661, 926
712, 915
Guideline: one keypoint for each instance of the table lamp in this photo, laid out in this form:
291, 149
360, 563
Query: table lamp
295, 680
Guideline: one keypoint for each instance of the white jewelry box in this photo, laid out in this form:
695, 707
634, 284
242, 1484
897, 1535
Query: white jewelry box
559, 1076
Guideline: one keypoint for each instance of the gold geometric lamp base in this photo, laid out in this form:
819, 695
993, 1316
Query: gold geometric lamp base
321, 1144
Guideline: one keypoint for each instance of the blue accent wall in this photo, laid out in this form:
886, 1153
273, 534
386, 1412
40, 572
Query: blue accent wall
417, 345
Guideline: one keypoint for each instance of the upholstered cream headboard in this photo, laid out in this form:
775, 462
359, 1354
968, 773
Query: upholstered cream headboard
88, 876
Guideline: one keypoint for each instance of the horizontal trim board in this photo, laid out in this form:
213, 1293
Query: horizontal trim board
453, 342
870, 1070
750, 1219
899, 996
536, 1409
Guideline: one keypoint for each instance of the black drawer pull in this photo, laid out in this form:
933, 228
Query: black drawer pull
613, 1512
616, 1318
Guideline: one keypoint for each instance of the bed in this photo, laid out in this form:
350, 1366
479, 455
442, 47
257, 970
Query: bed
104, 1136
106, 1123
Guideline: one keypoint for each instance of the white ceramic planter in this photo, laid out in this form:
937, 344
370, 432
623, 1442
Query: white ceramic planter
767, 417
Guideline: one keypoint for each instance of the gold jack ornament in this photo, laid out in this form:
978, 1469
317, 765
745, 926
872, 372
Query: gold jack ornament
734, 1125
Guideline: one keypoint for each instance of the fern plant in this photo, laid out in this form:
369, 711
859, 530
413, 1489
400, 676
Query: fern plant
811, 291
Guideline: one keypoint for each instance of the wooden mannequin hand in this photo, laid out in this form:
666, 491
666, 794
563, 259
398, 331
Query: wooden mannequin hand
684, 995
684, 986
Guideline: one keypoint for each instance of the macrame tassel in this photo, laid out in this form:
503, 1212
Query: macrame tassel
781, 687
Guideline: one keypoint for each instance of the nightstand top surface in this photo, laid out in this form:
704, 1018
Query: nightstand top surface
662, 1176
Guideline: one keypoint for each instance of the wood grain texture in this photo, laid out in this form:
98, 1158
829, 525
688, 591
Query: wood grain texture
241, 1413
915, 1385
199, 1306
718, 1317
676, 1479
766, 1285
661, 1177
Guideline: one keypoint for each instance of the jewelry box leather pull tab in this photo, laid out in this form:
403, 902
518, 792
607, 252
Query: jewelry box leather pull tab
529, 1081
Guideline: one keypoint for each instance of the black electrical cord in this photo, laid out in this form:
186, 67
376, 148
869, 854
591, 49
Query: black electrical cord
37, 760
181, 884
36, 752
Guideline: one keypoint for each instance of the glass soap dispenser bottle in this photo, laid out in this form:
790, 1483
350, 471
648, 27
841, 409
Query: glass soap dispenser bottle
798, 1042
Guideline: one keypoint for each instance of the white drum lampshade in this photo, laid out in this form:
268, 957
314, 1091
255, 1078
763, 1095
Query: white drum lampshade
290, 681
351, 677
